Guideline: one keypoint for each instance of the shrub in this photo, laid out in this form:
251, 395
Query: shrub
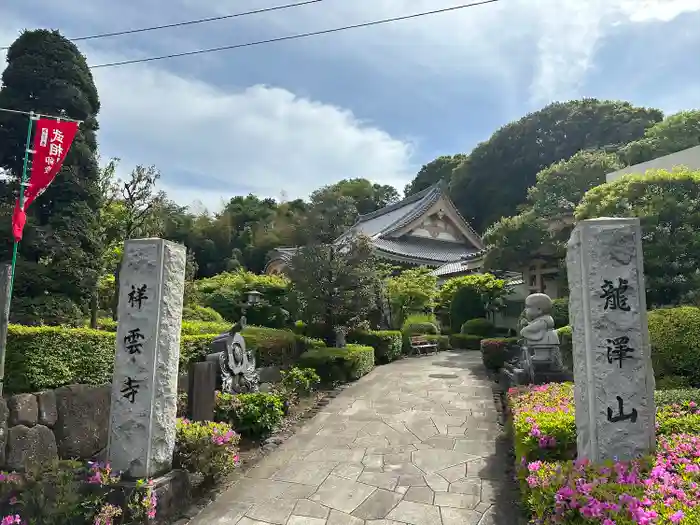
76, 493
494, 352
201, 313
257, 415
478, 326
46, 357
420, 324
465, 342
544, 427
560, 312
300, 381
676, 397
675, 342
386, 343
566, 347
207, 448
339, 365
443, 341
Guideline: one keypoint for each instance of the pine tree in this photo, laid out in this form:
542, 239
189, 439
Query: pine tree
59, 254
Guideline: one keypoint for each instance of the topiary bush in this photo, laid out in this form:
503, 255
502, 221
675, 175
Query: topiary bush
419, 324
48, 310
201, 313
465, 341
479, 326
675, 342
386, 344
339, 365
494, 351
560, 312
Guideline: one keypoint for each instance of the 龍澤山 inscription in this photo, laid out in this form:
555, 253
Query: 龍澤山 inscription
614, 380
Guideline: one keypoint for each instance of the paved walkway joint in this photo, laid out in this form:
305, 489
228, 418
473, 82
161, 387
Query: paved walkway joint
396, 447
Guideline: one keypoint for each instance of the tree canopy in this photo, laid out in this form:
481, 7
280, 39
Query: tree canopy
494, 180
434, 171
668, 205
60, 253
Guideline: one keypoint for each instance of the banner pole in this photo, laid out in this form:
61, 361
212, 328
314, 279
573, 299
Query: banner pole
22, 185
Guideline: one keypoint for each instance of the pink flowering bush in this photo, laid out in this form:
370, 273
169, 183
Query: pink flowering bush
208, 448
658, 490
75, 493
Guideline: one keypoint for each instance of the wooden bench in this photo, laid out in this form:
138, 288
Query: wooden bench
420, 344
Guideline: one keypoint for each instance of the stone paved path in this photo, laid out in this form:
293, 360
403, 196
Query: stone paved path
414, 442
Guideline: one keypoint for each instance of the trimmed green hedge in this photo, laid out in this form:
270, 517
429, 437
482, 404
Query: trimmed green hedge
675, 346
386, 343
675, 342
443, 341
465, 341
339, 365
494, 351
44, 357
188, 327
560, 312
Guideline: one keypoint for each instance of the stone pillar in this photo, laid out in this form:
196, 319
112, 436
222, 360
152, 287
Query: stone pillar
201, 395
614, 380
144, 386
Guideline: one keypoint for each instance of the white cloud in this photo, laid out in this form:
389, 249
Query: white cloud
209, 141
489, 41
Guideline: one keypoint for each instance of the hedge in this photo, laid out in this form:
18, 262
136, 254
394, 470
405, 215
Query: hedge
494, 351
479, 326
386, 343
339, 365
675, 345
675, 342
188, 327
443, 341
560, 312
465, 341
46, 357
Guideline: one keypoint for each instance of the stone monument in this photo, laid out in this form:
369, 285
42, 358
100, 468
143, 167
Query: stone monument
537, 358
238, 373
540, 338
144, 385
614, 380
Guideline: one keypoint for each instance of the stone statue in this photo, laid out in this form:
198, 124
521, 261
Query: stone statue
236, 362
540, 337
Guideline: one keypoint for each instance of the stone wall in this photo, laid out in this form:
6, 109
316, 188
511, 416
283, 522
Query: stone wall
70, 422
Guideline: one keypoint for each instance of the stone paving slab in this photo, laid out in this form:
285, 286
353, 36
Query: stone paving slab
397, 447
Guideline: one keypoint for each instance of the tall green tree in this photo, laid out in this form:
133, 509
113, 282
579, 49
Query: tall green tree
543, 227
59, 257
335, 286
668, 205
493, 182
433, 172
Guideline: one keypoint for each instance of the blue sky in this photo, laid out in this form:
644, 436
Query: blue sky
284, 119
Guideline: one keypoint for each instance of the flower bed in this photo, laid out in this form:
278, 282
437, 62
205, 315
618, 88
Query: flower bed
558, 489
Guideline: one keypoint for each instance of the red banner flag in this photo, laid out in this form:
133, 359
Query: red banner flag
52, 140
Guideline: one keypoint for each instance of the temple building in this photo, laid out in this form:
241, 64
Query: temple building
424, 229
